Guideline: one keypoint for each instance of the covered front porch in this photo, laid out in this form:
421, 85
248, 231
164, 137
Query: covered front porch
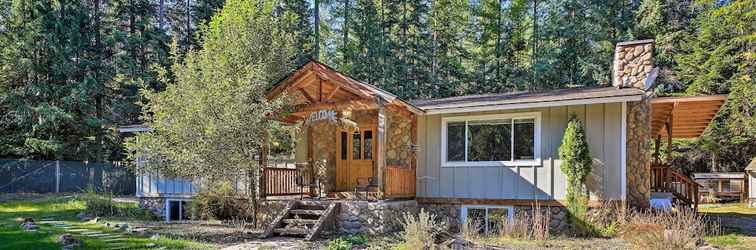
678, 117
355, 141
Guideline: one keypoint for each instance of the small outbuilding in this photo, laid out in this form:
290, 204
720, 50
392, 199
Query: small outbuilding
721, 186
750, 171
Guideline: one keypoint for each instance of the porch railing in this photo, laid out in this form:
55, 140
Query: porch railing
666, 179
280, 179
400, 182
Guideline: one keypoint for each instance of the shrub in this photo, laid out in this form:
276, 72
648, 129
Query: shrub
346, 242
576, 165
659, 230
533, 226
605, 220
420, 232
104, 206
220, 202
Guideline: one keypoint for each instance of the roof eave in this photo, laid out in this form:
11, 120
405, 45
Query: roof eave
489, 106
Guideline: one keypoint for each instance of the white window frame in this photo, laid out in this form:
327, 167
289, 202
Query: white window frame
181, 209
536, 161
463, 213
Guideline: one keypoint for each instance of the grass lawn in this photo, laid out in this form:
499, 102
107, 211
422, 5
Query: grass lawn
64, 209
739, 221
727, 208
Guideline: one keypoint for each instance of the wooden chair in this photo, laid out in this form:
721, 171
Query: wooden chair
364, 184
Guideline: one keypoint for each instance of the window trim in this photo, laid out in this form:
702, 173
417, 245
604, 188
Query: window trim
464, 210
536, 116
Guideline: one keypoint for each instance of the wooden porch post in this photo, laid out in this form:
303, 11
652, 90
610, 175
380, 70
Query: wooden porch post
669, 140
381, 156
657, 148
263, 161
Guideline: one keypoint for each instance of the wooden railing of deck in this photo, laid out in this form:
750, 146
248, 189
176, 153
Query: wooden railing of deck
279, 178
400, 182
666, 179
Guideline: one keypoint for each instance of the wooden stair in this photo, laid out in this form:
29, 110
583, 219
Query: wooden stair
305, 219
683, 188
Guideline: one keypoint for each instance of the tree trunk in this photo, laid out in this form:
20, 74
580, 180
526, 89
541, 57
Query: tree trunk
98, 95
316, 50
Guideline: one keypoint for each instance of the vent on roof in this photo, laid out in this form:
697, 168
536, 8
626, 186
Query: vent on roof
634, 65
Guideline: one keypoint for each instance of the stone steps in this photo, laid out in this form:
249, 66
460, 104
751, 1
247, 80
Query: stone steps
307, 212
300, 221
291, 231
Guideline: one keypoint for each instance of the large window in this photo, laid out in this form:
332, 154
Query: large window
482, 140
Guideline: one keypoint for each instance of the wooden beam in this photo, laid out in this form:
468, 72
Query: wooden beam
380, 163
328, 98
307, 95
353, 104
688, 99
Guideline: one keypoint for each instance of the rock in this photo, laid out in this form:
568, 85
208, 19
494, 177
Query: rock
82, 216
29, 226
638, 51
150, 245
155, 237
95, 220
68, 241
124, 227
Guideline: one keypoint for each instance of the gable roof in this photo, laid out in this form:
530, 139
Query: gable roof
525, 99
338, 86
751, 166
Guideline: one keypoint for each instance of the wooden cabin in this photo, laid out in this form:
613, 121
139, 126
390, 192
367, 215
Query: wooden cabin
473, 157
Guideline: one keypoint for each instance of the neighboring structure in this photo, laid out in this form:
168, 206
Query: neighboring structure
750, 171
722, 187
478, 156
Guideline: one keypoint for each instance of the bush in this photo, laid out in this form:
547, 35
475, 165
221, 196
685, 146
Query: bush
576, 166
104, 206
220, 202
420, 232
659, 230
533, 226
346, 242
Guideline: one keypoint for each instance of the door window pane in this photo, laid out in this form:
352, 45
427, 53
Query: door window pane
489, 140
455, 141
344, 146
524, 139
356, 145
368, 145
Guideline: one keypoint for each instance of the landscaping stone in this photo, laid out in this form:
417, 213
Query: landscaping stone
82, 216
29, 225
68, 241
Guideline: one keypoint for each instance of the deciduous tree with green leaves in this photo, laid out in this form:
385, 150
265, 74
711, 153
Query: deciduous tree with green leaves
211, 120
576, 165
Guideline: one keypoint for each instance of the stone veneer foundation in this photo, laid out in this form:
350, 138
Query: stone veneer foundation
153, 204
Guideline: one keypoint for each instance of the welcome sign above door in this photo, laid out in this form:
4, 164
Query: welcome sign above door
322, 115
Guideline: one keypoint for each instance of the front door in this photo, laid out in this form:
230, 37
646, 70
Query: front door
354, 156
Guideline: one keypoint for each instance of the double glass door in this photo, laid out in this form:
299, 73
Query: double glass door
354, 156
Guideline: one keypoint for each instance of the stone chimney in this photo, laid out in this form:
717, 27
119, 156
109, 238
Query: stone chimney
634, 65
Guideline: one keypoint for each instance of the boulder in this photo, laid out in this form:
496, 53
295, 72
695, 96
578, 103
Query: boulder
68, 241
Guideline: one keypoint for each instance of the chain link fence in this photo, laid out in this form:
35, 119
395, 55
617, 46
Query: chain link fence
30, 176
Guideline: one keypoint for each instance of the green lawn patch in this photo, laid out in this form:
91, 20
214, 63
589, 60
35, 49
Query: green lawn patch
727, 208
64, 210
